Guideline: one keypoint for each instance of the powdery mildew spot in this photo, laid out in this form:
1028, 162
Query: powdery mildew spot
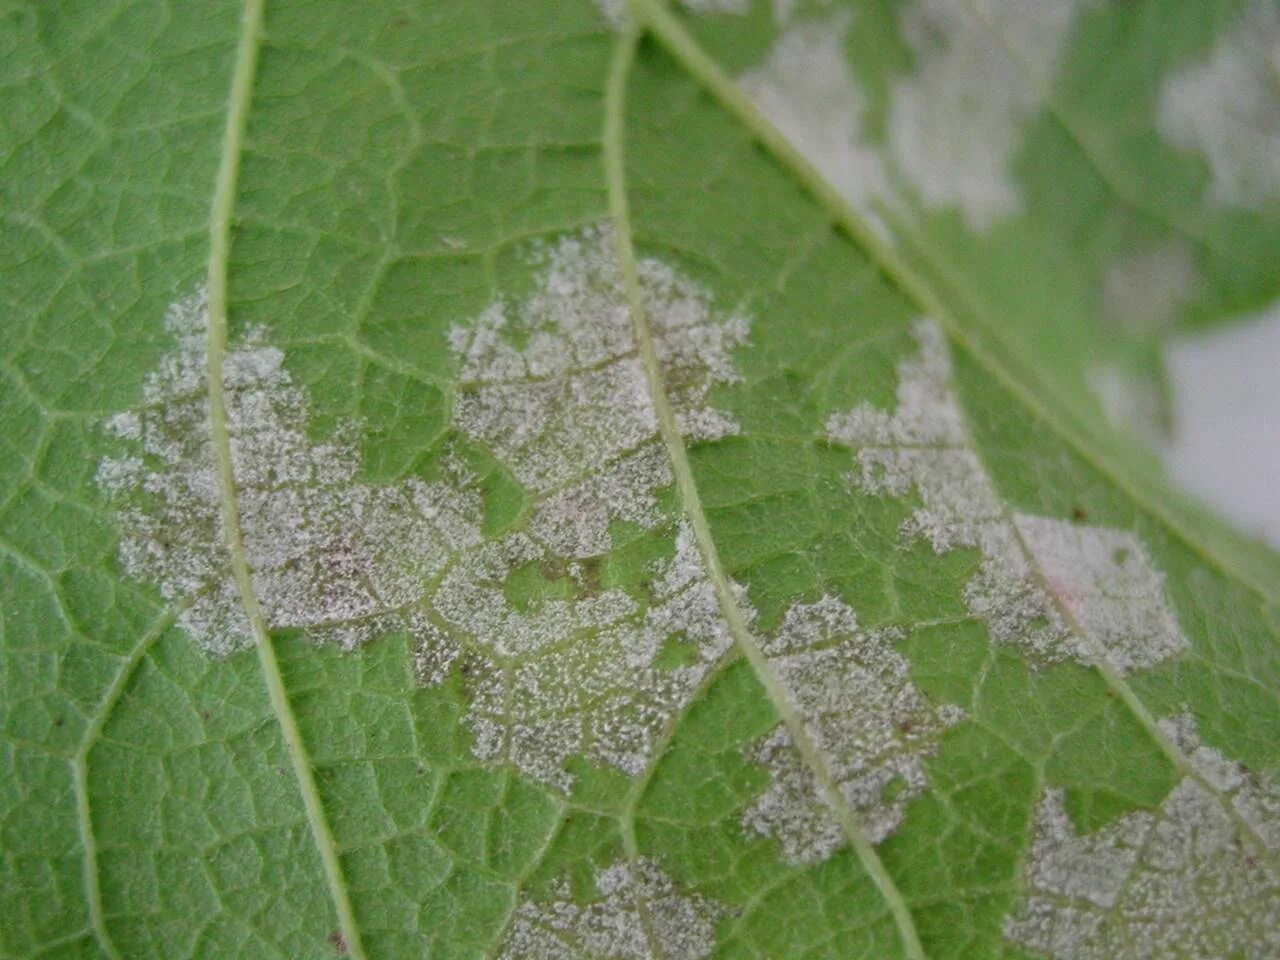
874, 728
616, 14
1143, 291
1227, 108
343, 559
1132, 400
955, 126
1033, 568
576, 677
805, 88
1183, 881
1105, 582
681, 926
554, 388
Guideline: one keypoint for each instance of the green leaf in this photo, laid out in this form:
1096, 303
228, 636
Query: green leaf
539, 480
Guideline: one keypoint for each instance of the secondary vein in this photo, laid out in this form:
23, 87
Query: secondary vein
80, 771
624, 55
223, 208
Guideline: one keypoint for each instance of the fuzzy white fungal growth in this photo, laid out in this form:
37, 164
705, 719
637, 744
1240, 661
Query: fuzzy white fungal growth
805, 87
1227, 108
577, 676
1143, 291
861, 711
1034, 570
640, 916
344, 559
616, 14
1105, 582
554, 387
1195, 879
983, 67
1132, 400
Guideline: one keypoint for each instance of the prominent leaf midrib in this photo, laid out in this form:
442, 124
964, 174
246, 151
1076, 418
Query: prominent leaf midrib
221, 212
705, 71
668, 426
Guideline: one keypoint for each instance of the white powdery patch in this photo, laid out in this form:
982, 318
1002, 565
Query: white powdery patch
633, 896
578, 676
1132, 400
872, 726
554, 387
805, 88
1105, 582
1033, 568
616, 14
955, 127
343, 559
1227, 108
1143, 291
1184, 881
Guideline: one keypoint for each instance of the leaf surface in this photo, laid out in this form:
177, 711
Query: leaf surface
647, 505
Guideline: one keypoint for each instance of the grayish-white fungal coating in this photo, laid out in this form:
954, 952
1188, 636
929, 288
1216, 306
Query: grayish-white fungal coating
1226, 108
344, 559
1034, 569
1195, 879
554, 387
640, 915
983, 68
1104, 581
616, 14
806, 89
577, 676
1133, 400
1143, 291
852, 689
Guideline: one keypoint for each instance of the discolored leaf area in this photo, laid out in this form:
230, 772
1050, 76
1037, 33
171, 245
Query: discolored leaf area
627, 481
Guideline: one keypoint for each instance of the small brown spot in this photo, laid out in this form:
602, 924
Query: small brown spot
590, 575
1078, 514
338, 941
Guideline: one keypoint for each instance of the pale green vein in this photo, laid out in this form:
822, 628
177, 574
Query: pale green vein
80, 771
685, 49
224, 198
668, 427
